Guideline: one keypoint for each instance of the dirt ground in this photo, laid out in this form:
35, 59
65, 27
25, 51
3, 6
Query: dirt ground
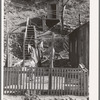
67, 97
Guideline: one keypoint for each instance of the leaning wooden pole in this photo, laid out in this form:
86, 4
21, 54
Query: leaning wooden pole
7, 44
52, 51
51, 63
79, 20
62, 8
25, 35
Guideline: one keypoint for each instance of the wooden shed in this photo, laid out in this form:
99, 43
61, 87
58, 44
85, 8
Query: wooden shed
79, 46
53, 13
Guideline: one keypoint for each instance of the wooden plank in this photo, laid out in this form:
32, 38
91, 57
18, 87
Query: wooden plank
9, 80
86, 83
18, 85
51, 92
21, 80
32, 76
57, 82
37, 70
18, 80
40, 79
70, 82
76, 82
29, 79
9, 72
22, 85
64, 81
62, 72
7, 44
67, 82
55, 79
12, 79
14, 82
6, 80
53, 83
35, 81
43, 78
48, 81
4, 89
15, 78
73, 82
81, 84
26, 78
72, 86
67, 90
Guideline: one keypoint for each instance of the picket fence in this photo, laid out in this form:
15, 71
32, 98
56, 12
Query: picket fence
46, 81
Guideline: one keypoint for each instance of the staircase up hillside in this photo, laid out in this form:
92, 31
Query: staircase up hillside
29, 40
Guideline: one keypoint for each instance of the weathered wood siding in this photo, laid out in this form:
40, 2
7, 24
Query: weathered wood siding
79, 46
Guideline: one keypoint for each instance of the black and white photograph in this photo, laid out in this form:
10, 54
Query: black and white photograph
46, 49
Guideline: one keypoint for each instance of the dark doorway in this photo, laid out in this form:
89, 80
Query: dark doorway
53, 10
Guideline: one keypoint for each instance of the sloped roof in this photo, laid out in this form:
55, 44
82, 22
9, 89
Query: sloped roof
79, 27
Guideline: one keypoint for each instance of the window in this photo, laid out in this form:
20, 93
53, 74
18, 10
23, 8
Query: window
53, 10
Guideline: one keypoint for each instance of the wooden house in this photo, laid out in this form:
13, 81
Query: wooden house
79, 46
53, 13
53, 9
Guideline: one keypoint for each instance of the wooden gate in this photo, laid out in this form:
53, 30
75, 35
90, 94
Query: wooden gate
50, 81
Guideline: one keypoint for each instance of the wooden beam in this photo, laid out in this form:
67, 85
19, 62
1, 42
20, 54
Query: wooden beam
52, 51
35, 39
25, 35
62, 8
51, 62
7, 44
79, 20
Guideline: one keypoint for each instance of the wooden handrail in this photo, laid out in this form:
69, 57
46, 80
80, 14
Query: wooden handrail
25, 35
26, 27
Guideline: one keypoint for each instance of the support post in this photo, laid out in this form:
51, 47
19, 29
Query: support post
51, 62
79, 20
52, 51
7, 45
44, 23
35, 35
62, 8
25, 35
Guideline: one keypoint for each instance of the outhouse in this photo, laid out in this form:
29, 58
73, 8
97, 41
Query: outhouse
79, 46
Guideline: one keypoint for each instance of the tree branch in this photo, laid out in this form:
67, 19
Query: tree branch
65, 3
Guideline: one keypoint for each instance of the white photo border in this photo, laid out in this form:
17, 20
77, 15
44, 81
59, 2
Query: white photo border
94, 49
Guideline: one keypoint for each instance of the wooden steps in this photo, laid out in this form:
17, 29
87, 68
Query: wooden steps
29, 40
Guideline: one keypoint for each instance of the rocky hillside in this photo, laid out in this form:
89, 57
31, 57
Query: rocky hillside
17, 11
